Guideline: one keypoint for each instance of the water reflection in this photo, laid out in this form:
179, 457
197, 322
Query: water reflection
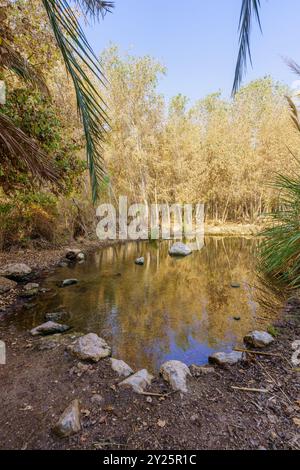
169, 308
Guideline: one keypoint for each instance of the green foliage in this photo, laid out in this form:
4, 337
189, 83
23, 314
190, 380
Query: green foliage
34, 114
280, 249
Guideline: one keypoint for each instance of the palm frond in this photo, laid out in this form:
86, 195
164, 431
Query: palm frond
12, 60
81, 64
95, 8
249, 9
25, 151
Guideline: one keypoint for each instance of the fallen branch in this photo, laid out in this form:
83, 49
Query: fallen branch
246, 389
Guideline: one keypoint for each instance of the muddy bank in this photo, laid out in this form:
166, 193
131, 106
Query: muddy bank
37, 385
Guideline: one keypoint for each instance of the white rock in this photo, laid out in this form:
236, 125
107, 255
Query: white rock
122, 369
69, 422
222, 358
175, 373
138, 381
72, 253
179, 249
90, 347
30, 286
140, 261
258, 339
49, 328
80, 256
15, 271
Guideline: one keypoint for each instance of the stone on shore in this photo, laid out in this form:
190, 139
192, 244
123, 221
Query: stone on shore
138, 381
122, 369
258, 339
223, 359
69, 422
179, 249
6, 285
90, 347
74, 253
49, 328
175, 373
16, 271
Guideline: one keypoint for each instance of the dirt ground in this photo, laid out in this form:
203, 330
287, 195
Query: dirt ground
37, 384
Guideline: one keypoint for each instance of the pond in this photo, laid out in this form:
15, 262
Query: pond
170, 308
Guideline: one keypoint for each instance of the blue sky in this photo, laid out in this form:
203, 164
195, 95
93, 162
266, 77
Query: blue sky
197, 40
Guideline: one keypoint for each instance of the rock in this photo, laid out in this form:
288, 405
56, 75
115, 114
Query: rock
140, 261
138, 381
175, 373
68, 282
122, 369
97, 399
258, 339
75, 253
197, 371
57, 316
179, 249
49, 328
222, 358
69, 422
30, 290
90, 347
16, 271
237, 318
6, 285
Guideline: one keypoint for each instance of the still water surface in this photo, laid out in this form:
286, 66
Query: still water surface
170, 308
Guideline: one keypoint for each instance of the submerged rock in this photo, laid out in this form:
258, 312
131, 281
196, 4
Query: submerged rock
122, 369
179, 249
197, 371
30, 286
222, 358
235, 285
140, 261
175, 373
258, 339
30, 290
16, 271
49, 328
69, 422
6, 285
68, 282
57, 316
90, 347
138, 381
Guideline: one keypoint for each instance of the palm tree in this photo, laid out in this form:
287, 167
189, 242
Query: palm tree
85, 71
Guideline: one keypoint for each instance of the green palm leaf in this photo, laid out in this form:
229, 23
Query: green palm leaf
85, 71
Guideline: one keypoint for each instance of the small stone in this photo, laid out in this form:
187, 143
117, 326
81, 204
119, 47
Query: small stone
149, 400
175, 373
69, 422
122, 369
30, 286
80, 256
222, 358
258, 339
6, 285
68, 282
138, 381
140, 261
72, 253
197, 371
90, 347
49, 328
16, 271
179, 249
